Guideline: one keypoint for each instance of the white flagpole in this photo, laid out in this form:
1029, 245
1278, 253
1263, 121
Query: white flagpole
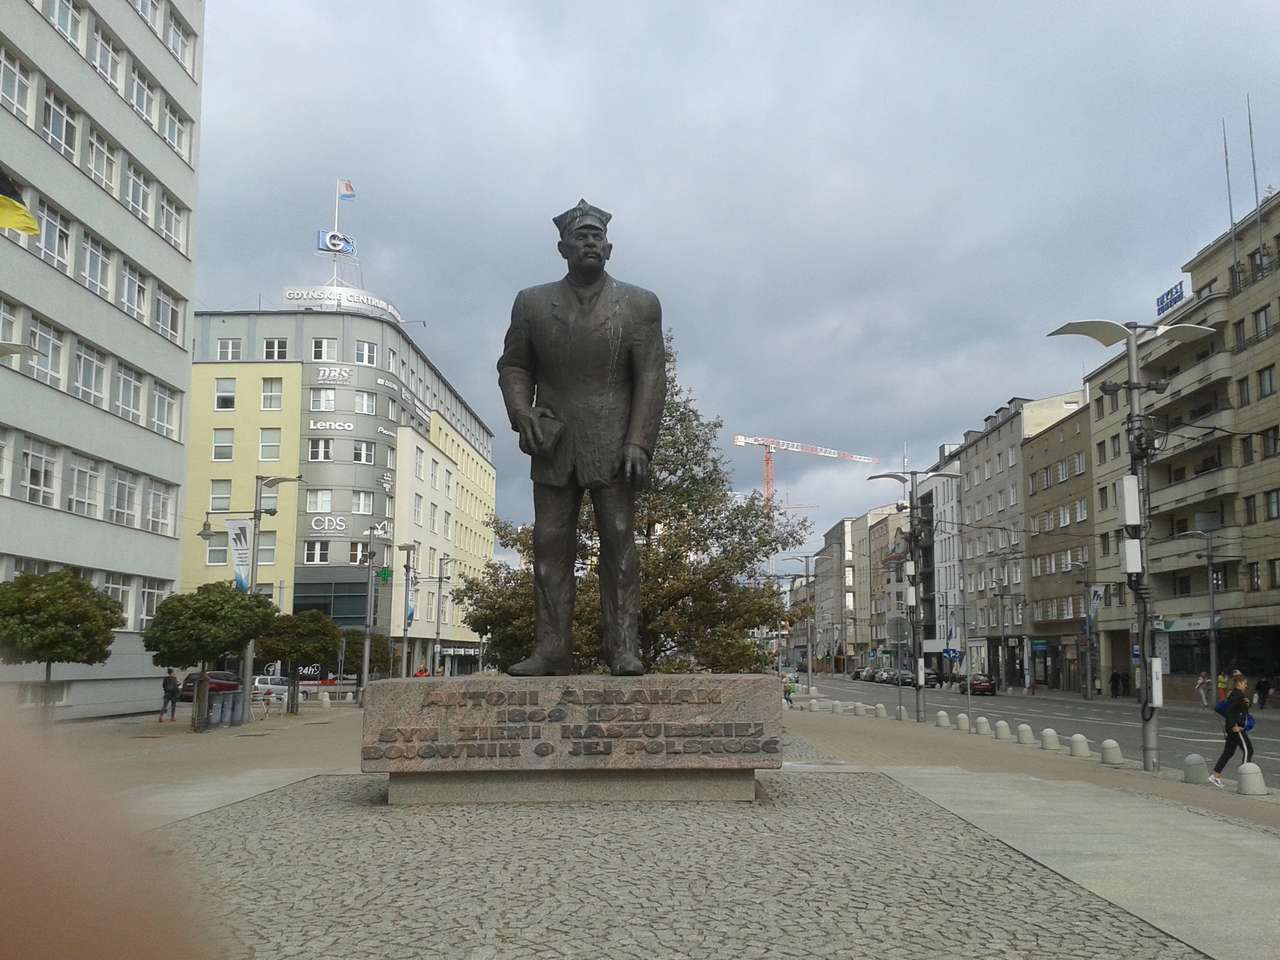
337, 194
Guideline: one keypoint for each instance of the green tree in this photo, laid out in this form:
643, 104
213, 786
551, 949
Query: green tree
56, 618
702, 548
301, 639
379, 653
215, 621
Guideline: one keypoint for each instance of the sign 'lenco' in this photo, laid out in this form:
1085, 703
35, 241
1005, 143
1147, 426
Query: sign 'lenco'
331, 425
329, 524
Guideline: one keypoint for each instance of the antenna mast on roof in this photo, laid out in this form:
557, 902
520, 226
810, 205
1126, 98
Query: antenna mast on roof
1231, 214
1257, 203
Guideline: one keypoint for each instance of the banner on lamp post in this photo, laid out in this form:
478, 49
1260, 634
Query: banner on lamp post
1095, 601
240, 540
412, 587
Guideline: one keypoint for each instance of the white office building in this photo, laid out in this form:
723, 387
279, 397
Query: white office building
99, 122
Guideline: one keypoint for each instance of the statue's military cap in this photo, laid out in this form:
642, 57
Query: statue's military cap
583, 211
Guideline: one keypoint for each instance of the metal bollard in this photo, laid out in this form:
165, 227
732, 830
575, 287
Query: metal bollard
1249, 782
1111, 754
1025, 736
1194, 769
982, 727
943, 720
859, 709
1003, 734
962, 722
1080, 746
1049, 739
881, 712
324, 698
902, 714
349, 697
837, 706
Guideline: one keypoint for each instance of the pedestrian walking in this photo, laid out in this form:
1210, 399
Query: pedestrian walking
170, 696
1236, 721
1263, 687
1115, 684
1222, 687
787, 687
1202, 688
1125, 681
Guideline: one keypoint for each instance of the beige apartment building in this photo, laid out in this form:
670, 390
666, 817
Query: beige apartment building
1213, 481
888, 590
842, 574
1059, 491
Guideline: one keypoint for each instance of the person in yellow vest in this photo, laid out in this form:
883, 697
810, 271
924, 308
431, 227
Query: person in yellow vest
1222, 687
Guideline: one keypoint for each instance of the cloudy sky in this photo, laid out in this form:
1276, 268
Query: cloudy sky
861, 219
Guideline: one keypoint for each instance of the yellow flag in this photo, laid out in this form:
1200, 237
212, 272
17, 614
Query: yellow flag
13, 212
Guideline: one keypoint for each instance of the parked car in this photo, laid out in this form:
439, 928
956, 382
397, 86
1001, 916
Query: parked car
220, 681
980, 683
276, 687
867, 673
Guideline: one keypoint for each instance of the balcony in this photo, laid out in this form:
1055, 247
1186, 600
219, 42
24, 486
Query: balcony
1211, 483
1191, 434
1212, 369
1180, 553
1197, 604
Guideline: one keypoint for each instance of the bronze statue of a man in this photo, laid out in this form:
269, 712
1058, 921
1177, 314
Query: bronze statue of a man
583, 376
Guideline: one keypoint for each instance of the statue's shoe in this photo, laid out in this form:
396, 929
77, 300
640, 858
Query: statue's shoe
627, 665
541, 666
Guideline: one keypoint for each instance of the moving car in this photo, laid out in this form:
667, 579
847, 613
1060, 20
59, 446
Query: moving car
220, 681
867, 673
980, 683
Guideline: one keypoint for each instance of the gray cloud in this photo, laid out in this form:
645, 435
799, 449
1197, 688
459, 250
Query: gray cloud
861, 220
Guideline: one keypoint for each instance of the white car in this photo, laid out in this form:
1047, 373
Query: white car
277, 688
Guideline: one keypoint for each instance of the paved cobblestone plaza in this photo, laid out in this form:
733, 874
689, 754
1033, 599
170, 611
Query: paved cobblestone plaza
822, 865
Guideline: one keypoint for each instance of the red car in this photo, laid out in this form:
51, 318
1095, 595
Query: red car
220, 681
980, 683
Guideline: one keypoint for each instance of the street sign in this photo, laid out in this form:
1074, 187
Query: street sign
384, 574
951, 654
871, 654
1136, 653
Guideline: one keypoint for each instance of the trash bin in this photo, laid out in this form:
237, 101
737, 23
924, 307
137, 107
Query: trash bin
216, 701
232, 708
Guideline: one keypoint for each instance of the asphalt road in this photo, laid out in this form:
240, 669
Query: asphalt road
1183, 729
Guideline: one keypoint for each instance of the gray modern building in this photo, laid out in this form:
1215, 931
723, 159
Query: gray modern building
99, 129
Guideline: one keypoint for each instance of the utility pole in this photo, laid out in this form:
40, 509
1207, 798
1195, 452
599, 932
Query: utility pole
440, 579
408, 549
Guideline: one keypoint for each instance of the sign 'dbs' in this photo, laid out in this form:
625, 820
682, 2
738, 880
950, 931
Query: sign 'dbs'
333, 374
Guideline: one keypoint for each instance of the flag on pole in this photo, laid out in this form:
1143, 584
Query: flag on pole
346, 190
14, 214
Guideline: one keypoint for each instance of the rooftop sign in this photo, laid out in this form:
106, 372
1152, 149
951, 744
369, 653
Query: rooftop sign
338, 299
1170, 298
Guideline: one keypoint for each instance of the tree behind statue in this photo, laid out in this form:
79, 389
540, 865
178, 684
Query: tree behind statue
300, 639
703, 552
56, 618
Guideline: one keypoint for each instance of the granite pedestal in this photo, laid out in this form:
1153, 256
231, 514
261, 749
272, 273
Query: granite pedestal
499, 739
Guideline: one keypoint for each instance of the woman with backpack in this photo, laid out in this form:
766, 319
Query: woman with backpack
1235, 711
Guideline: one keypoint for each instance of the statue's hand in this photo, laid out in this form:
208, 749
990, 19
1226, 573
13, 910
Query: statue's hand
635, 465
530, 430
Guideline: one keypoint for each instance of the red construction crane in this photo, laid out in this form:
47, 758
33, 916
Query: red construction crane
771, 444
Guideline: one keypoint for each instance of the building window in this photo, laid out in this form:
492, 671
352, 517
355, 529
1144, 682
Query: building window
1273, 574
266, 548
133, 291
126, 393
1104, 544
1250, 508
229, 349
224, 393
160, 508
105, 57
435, 474
366, 402
1115, 445
391, 458
223, 443
173, 221
1262, 322
219, 496
102, 162
1254, 570
390, 506
1272, 500
53, 242
319, 449
269, 443
95, 269
118, 587
323, 399
1246, 450
435, 520
324, 349
1013, 494
174, 130
269, 498
153, 591
362, 501
393, 411
38, 463
363, 451
316, 551
391, 361
1102, 452
275, 348
366, 353
272, 393
82, 481
90, 375
1082, 509
122, 506
1266, 381
448, 487
15, 86
448, 526
1242, 392
215, 551
46, 365
359, 552
168, 314
1271, 441
417, 509
164, 410
142, 96
319, 501
59, 127
137, 193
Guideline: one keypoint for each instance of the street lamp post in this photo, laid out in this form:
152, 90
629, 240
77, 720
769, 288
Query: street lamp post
1207, 536
913, 591
1083, 566
808, 657
244, 714
408, 549
445, 559
1109, 333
